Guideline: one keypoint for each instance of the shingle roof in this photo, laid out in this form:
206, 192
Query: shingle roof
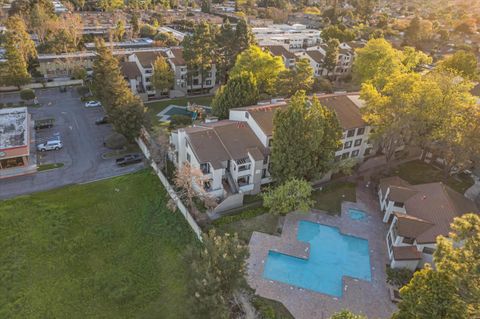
178, 57
347, 111
317, 56
146, 58
130, 70
406, 253
220, 141
279, 50
411, 226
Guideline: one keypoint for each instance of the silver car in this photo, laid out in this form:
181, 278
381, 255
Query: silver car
50, 146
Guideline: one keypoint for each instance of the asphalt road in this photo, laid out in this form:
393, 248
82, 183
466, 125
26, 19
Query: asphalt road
83, 145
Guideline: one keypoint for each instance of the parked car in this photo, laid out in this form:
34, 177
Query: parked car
50, 145
44, 123
102, 120
129, 159
93, 104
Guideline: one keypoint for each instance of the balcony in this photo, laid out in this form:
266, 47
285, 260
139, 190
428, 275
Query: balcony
246, 187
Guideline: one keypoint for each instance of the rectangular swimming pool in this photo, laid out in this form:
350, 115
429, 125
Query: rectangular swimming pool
332, 256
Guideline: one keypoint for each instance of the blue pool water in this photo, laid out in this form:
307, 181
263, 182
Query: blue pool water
332, 256
356, 214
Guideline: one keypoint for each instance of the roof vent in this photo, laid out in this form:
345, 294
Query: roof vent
211, 119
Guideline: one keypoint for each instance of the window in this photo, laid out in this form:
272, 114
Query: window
408, 240
351, 133
207, 185
347, 144
264, 173
398, 204
265, 160
195, 81
188, 157
244, 168
428, 250
361, 131
355, 153
205, 167
244, 180
358, 142
270, 141
345, 155
208, 82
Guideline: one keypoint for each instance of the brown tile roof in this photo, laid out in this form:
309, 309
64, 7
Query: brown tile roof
439, 205
147, 58
279, 50
178, 57
347, 111
263, 116
130, 70
220, 141
406, 253
411, 226
386, 182
317, 56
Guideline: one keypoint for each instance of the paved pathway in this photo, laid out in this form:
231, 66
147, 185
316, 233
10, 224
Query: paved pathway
369, 298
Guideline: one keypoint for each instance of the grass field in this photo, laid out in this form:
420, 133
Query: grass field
108, 249
418, 172
330, 198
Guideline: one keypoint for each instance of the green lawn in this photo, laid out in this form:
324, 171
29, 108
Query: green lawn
108, 249
418, 172
330, 198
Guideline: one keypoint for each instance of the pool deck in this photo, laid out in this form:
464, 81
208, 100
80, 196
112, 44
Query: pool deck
361, 297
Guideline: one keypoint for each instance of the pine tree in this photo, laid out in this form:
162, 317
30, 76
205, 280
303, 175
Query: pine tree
331, 56
239, 91
17, 33
14, 70
226, 50
243, 35
305, 138
298, 78
197, 50
126, 111
162, 78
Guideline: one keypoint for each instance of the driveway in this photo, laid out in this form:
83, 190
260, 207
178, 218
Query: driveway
83, 145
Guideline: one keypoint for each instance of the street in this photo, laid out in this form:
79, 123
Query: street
82, 140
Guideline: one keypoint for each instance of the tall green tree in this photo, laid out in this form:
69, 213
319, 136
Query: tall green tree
341, 33
331, 55
197, 51
17, 33
240, 90
262, 65
243, 36
227, 50
163, 77
452, 289
305, 138
463, 62
217, 271
126, 111
300, 77
294, 194
418, 31
378, 61
14, 70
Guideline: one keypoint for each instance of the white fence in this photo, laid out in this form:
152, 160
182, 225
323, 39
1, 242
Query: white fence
181, 207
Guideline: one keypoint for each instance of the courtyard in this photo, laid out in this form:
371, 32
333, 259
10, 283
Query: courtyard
358, 290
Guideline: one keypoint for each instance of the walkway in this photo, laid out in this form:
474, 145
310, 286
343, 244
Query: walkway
369, 298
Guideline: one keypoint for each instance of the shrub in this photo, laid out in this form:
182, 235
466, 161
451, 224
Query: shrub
115, 141
179, 119
83, 90
399, 276
322, 85
147, 31
27, 94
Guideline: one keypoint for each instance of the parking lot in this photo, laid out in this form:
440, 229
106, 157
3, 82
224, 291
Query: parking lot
82, 141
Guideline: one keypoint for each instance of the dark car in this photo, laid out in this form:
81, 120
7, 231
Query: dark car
44, 123
102, 120
129, 159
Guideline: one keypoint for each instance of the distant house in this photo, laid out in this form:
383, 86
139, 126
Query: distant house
316, 56
133, 76
417, 214
288, 57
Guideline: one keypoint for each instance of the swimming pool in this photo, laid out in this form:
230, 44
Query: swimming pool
332, 256
356, 214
